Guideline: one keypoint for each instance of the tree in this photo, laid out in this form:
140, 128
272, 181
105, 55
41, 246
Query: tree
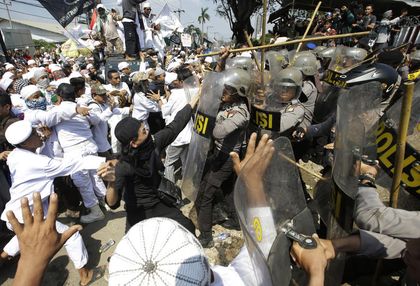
195, 33
239, 12
203, 18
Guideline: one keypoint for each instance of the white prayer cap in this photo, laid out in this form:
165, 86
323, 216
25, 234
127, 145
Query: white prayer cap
54, 68
5, 83
9, 66
29, 74
18, 132
28, 90
208, 60
100, 6
38, 73
75, 74
8, 75
146, 5
123, 65
89, 66
31, 62
161, 250
173, 66
97, 43
159, 71
170, 77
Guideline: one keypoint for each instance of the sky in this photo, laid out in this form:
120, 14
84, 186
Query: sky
217, 26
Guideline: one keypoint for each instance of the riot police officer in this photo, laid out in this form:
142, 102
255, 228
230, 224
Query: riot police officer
228, 135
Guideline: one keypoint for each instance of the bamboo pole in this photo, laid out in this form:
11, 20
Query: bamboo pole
264, 28
248, 40
309, 27
314, 39
401, 142
301, 167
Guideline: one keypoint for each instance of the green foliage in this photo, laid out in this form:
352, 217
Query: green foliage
43, 43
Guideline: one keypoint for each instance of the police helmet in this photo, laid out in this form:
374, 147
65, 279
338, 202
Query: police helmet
358, 54
319, 49
328, 53
239, 79
244, 63
288, 77
307, 63
382, 73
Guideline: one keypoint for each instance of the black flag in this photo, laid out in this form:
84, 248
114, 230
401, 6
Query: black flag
64, 11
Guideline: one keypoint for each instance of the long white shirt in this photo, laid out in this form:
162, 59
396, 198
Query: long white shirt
142, 106
177, 100
31, 172
65, 111
76, 130
100, 129
121, 86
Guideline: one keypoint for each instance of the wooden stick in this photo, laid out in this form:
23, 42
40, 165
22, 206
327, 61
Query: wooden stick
314, 39
302, 167
264, 28
248, 40
308, 28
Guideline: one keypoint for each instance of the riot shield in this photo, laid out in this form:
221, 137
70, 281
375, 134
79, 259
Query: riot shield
386, 139
191, 87
265, 213
275, 61
204, 122
358, 111
346, 58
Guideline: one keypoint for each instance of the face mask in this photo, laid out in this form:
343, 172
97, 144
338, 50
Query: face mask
43, 83
40, 103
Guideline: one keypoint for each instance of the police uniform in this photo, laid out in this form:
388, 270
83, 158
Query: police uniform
307, 99
229, 134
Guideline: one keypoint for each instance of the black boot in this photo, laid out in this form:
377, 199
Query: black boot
206, 239
232, 223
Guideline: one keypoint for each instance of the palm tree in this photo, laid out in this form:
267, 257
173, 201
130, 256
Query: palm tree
204, 17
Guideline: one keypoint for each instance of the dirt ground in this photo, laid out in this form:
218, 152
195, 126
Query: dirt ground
61, 271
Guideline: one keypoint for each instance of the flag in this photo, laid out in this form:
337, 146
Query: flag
93, 21
168, 22
64, 11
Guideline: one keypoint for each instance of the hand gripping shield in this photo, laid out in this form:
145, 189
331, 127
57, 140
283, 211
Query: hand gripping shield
269, 199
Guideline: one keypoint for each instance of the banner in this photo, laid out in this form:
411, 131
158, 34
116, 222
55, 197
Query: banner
64, 11
186, 40
168, 22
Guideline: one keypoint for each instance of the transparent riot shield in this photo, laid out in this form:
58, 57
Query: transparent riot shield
358, 112
268, 199
204, 122
386, 139
191, 87
275, 61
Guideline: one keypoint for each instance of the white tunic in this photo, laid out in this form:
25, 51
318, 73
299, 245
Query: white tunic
65, 111
142, 106
31, 172
177, 101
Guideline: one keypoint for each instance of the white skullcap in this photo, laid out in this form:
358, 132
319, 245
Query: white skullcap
9, 66
5, 83
54, 68
28, 90
75, 74
159, 71
170, 77
123, 65
89, 66
8, 75
18, 132
146, 5
100, 6
29, 74
159, 251
31, 62
97, 43
173, 66
208, 60
38, 73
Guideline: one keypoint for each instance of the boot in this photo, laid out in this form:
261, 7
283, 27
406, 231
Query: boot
232, 224
206, 239
95, 214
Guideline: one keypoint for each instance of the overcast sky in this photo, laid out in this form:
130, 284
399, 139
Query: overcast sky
217, 26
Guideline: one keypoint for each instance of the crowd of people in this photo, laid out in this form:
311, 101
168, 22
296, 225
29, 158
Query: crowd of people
75, 133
